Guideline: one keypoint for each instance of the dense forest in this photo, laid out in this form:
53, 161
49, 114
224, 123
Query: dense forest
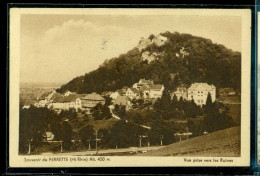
184, 59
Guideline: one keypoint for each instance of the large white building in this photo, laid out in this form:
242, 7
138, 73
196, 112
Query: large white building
199, 93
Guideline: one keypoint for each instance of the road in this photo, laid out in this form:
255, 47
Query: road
108, 151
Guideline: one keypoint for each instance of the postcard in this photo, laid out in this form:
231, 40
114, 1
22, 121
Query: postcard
111, 87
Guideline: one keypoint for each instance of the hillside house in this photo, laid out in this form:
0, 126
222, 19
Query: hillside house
123, 101
114, 95
132, 93
199, 93
91, 100
73, 101
181, 92
156, 91
58, 102
66, 102
143, 82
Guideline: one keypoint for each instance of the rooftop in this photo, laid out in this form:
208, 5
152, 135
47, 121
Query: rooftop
201, 86
93, 96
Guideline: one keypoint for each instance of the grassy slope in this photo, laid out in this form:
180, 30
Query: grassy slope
224, 143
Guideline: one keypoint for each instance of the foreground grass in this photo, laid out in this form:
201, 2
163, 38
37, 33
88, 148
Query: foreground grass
224, 143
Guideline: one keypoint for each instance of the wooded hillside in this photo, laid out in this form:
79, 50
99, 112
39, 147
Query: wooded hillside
205, 62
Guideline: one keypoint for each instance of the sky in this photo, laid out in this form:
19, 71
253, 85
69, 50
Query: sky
58, 48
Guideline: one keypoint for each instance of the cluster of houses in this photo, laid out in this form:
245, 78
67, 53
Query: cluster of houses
197, 91
144, 89
69, 100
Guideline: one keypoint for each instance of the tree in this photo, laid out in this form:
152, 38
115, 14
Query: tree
69, 114
151, 37
87, 134
104, 135
33, 124
66, 136
97, 112
161, 131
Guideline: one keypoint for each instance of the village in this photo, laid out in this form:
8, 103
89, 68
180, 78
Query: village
144, 116
144, 89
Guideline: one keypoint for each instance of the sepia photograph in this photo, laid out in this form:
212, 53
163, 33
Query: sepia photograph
129, 87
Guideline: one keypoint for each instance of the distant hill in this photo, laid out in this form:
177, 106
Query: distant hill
182, 59
225, 143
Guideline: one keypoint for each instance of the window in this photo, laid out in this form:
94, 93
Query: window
198, 101
201, 101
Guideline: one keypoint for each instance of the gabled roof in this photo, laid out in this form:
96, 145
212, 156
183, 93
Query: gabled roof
144, 88
134, 90
202, 85
73, 97
122, 98
58, 98
93, 96
181, 89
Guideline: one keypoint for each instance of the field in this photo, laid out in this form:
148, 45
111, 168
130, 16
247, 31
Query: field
224, 143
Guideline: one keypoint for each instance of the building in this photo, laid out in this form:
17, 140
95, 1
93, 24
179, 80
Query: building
143, 82
199, 93
123, 101
73, 101
156, 91
58, 102
132, 93
91, 100
114, 95
66, 102
181, 92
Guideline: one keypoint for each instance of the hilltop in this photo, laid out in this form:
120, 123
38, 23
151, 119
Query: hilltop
170, 59
225, 143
